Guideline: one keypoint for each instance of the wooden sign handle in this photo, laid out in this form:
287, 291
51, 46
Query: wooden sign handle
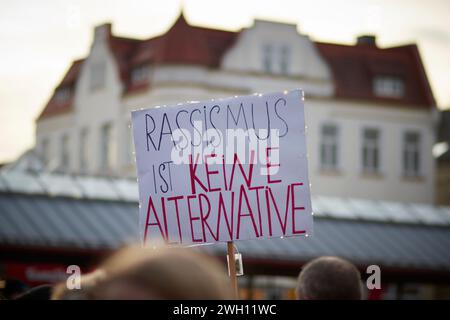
232, 268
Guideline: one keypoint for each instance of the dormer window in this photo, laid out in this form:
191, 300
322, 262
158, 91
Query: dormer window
62, 95
140, 74
276, 59
389, 87
97, 75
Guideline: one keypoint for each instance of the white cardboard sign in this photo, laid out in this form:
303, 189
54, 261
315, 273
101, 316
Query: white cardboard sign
223, 170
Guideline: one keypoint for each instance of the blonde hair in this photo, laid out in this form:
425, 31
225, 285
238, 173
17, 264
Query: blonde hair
87, 282
164, 273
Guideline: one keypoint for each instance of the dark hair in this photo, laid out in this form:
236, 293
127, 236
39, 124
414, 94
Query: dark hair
328, 278
41, 292
13, 288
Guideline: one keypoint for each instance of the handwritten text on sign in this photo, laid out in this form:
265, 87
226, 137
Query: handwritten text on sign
230, 169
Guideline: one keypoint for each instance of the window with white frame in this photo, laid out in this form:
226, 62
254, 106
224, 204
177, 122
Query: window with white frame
411, 154
83, 152
388, 87
371, 151
329, 147
285, 59
140, 74
106, 150
45, 149
97, 75
65, 156
267, 58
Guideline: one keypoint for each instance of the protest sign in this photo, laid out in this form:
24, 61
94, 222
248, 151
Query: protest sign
223, 170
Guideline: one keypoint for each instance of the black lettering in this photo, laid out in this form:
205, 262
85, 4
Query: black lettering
148, 133
279, 117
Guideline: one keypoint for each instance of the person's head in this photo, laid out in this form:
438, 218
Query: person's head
13, 288
327, 278
136, 273
87, 282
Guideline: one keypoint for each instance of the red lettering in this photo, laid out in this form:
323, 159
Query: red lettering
194, 178
294, 208
222, 208
191, 218
269, 219
247, 178
283, 225
224, 173
175, 199
157, 223
205, 217
259, 207
243, 194
208, 173
163, 206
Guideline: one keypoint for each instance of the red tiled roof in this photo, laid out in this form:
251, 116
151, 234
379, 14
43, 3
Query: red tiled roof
184, 44
55, 107
123, 50
353, 67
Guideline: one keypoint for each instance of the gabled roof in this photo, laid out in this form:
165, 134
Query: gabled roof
186, 44
55, 107
123, 50
181, 44
353, 67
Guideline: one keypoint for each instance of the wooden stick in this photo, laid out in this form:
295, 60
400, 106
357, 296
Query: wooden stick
232, 268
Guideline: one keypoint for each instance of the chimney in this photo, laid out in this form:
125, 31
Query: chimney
102, 32
366, 40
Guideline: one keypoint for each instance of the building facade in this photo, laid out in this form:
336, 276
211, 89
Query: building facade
369, 110
442, 153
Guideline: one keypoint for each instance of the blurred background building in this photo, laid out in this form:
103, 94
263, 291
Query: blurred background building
369, 109
372, 122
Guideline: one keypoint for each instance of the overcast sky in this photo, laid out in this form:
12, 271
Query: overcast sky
39, 39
